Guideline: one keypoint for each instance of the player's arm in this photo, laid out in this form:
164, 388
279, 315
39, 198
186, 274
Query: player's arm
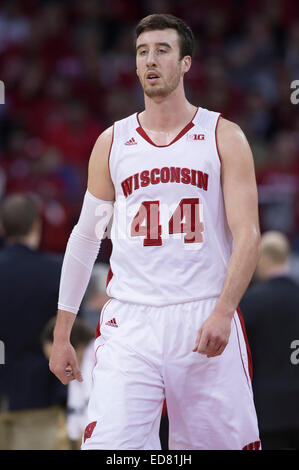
241, 206
81, 252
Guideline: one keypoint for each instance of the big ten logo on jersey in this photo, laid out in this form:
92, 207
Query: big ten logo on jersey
153, 222
192, 137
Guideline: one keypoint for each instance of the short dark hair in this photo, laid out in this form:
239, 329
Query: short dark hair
18, 213
160, 21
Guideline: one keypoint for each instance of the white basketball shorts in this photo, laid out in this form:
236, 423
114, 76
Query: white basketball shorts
144, 355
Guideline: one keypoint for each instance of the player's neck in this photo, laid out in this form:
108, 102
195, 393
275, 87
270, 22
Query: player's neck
167, 113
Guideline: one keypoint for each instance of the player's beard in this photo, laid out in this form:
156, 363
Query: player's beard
164, 89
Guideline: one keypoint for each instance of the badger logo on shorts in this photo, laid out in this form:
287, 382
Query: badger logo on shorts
89, 430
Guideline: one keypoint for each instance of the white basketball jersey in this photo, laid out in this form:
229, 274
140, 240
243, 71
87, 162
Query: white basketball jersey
171, 241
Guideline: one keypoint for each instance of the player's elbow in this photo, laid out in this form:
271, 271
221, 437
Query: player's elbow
255, 244
249, 237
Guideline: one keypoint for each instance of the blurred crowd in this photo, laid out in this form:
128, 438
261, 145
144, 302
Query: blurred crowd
69, 71
68, 68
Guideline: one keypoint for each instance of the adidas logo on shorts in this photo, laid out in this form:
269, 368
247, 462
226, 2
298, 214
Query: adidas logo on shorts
112, 323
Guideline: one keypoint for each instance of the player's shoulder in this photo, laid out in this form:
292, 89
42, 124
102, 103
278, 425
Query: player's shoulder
228, 128
231, 142
101, 149
103, 144
105, 136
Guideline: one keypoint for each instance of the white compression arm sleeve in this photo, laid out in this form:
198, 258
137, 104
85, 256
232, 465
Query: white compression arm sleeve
81, 252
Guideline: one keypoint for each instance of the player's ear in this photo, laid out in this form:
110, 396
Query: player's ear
186, 64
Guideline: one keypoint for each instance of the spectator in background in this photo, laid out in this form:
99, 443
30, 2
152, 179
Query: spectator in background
77, 392
31, 398
271, 314
278, 185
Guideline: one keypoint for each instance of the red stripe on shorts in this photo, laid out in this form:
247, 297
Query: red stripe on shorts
249, 357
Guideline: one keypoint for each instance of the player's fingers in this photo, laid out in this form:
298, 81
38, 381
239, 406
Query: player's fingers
67, 376
63, 376
212, 347
58, 372
197, 340
221, 349
218, 350
76, 374
203, 343
69, 371
213, 350
64, 373
210, 344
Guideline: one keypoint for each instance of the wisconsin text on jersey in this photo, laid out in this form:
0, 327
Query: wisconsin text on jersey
164, 175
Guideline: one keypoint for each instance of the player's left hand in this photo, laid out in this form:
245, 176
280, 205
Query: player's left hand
213, 335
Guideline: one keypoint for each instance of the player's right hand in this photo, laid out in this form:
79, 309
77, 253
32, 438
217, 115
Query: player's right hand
63, 363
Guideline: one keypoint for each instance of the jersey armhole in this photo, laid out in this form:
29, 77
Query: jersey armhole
216, 140
112, 140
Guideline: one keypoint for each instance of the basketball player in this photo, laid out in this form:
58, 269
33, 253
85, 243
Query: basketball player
186, 242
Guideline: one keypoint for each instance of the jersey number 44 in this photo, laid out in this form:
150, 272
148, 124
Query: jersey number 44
185, 219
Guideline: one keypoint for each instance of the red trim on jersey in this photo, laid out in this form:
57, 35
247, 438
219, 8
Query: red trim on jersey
241, 319
220, 115
109, 276
98, 330
111, 148
143, 134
